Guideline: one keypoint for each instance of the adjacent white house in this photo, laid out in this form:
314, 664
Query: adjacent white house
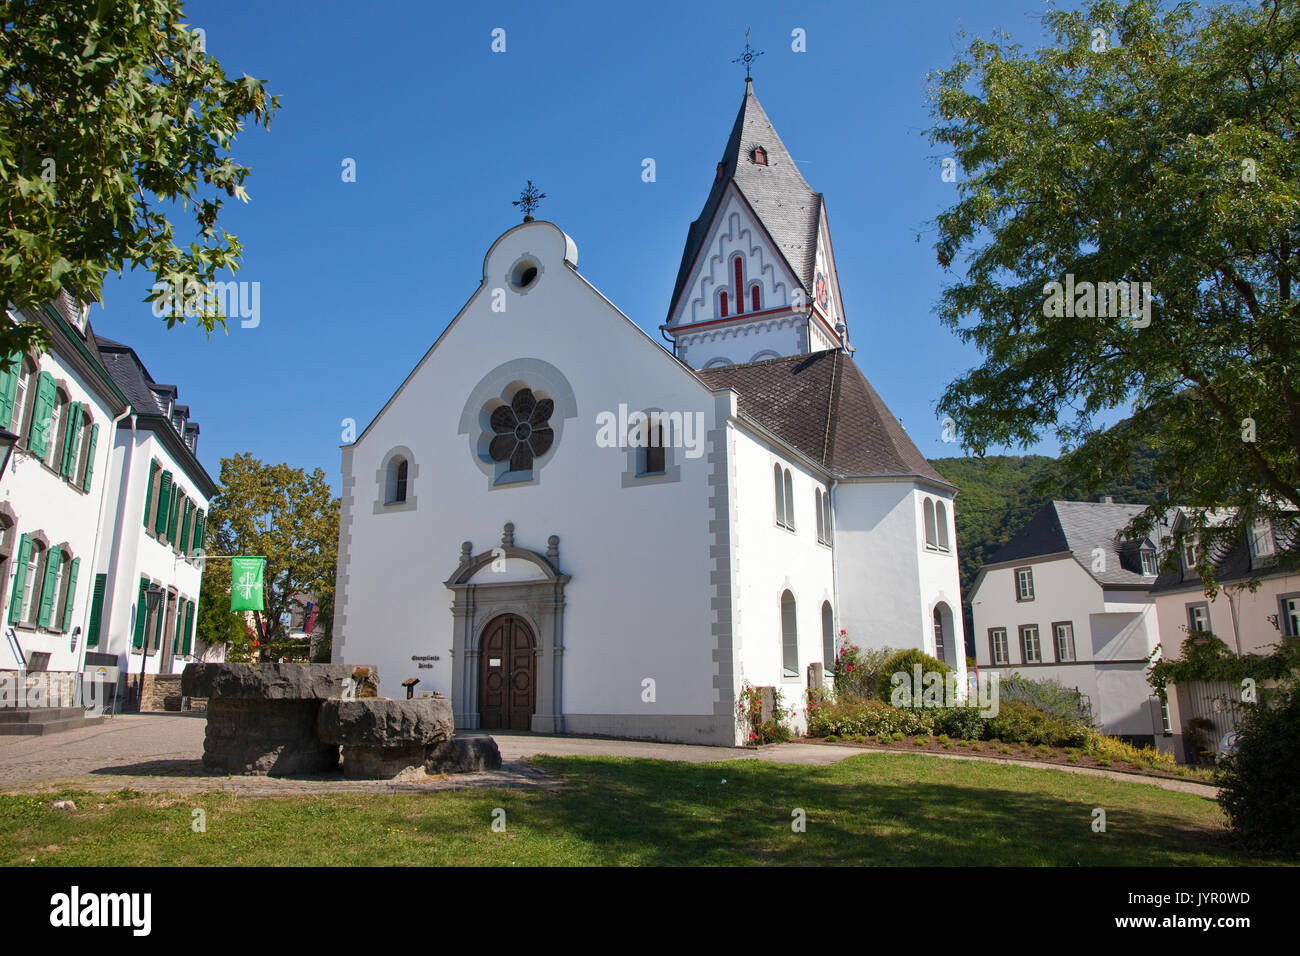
64, 408
160, 498
1065, 599
565, 527
1247, 621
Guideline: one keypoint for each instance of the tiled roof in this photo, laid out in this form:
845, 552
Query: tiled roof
783, 201
1080, 527
824, 406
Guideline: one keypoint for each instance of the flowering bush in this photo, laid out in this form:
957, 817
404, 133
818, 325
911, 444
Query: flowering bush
749, 707
856, 669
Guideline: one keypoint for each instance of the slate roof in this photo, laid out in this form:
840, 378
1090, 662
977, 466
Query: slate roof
1080, 527
783, 201
824, 406
1233, 562
130, 374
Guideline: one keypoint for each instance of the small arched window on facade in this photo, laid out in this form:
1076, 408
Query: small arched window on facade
739, 267
395, 489
821, 516
789, 501
828, 637
780, 495
789, 638
755, 298
941, 521
722, 304
931, 537
760, 156
654, 451
826, 515
940, 650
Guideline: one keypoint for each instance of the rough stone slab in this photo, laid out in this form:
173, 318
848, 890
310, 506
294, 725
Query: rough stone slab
266, 681
464, 755
275, 737
378, 722
382, 763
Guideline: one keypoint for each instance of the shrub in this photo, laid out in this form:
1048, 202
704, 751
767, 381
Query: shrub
749, 708
1022, 723
1258, 790
1112, 749
962, 723
1050, 696
871, 718
905, 662
856, 670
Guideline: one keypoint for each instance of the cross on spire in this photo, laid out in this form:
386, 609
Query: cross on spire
529, 198
748, 57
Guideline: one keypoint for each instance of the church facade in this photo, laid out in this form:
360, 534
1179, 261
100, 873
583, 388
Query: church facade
567, 528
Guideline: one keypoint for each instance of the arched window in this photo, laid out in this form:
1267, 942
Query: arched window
826, 515
931, 539
740, 284
789, 638
939, 649
395, 486
789, 501
828, 636
755, 297
941, 520
722, 304
654, 450
821, 517
944, 647
780, 495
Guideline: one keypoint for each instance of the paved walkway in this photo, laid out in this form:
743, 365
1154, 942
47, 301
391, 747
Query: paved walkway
162, 752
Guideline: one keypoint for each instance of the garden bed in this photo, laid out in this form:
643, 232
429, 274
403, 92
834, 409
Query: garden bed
1042, 753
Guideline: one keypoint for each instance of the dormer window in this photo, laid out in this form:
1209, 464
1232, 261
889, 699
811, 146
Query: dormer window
1148, 558
759, 156
1262, 546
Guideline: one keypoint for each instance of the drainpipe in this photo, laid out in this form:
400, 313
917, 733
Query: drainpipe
835, 571
99, 527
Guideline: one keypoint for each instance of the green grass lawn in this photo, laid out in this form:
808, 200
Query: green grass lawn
878, 809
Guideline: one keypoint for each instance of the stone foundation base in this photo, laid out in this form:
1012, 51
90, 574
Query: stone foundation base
275, 737
381, 763
464, 755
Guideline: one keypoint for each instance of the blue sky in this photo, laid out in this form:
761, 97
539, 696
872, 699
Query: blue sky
358, 279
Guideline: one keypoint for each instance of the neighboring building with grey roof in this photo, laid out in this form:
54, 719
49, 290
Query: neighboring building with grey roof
1067, 598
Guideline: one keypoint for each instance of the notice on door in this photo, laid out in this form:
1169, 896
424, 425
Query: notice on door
494, 662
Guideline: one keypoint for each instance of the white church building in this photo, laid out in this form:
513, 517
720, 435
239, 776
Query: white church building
508, 538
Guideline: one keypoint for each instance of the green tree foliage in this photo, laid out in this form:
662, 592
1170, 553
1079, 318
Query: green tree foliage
1149, 144
290, 517
113, 118
1258, 789
215, 625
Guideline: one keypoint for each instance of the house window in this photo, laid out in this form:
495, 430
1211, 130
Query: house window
655, 459
30, 570
941, 520
722, 303
789, 639
22, 399
1189, 555
1064, 632
1291, 616
740, 284
940, 648
1024, 584
1031, 651
85, 465
931, 535
56, 431
998, 651
821, 521
789, 501
779, 490
395, 486
828, 637
1261, 541
754, 298
6, 550
1148, 558
1198, 617
826, 516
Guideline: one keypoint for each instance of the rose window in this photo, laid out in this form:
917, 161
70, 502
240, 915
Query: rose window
521, 431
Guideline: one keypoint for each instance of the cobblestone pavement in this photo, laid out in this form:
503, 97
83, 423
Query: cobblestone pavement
162, 752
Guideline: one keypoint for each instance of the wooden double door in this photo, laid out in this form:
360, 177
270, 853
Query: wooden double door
507, 674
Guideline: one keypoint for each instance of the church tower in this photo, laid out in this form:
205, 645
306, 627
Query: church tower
757, 278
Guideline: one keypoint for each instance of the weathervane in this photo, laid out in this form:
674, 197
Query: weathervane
748, 56
529, 199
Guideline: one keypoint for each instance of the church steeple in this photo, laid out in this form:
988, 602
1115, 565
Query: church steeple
757, 276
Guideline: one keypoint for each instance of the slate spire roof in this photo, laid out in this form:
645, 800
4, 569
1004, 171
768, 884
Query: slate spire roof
824, 406
782, 200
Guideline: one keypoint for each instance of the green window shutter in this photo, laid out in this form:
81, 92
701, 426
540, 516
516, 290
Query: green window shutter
200, 530
71, 443
186, 513
96, 610
90, 458
162, 616
52, 562
176, 632
141, 612
39, 436
189, 628
70, 596
173, 514
164, 503
20, 579
8, 388
148, 496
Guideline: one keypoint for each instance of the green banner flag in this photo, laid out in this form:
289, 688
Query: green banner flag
246, 584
